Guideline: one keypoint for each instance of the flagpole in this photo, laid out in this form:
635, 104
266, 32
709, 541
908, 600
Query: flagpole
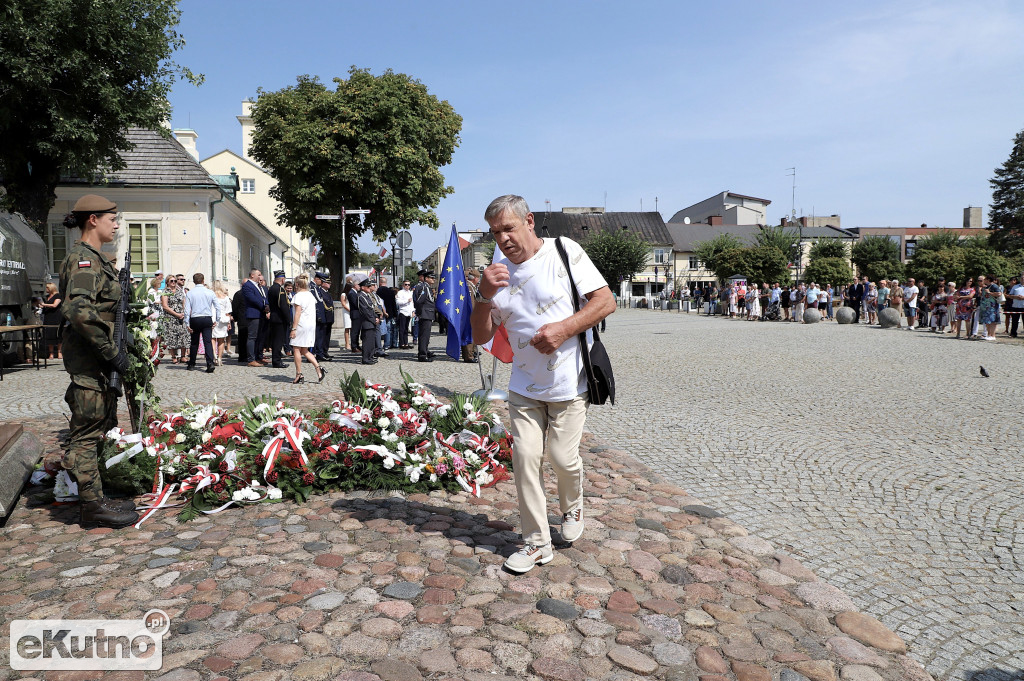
492, 393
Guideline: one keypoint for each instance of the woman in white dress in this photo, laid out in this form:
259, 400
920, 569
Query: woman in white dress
223, 325
303, 333
755, 303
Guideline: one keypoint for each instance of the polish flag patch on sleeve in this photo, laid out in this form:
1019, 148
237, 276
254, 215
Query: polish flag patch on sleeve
84, 263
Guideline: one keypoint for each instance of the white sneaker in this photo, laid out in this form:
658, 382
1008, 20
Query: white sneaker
525, 558
572, 525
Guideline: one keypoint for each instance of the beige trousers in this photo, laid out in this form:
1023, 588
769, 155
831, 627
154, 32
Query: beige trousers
555, 429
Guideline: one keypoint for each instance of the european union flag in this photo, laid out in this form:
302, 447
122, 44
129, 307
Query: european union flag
454, 300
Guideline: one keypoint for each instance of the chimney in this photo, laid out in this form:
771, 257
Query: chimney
188, 138
715, 220
972, 217
245, 120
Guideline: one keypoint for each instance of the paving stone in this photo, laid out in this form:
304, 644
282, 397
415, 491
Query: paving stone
240, 647
557, 670
858, 672
437, 661
472, 658
282, 653
855, 652
816, 670
403, 590
869, 631
326, 601
824, 596
319, 669
396, 670
666, 626
710, 660
557, 608
745, 671
633, 660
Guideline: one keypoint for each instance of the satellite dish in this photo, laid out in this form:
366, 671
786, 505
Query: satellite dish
686, 221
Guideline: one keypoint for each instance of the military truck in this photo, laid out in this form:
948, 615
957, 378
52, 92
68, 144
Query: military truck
23, 274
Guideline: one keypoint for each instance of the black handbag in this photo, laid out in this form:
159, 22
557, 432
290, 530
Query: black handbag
596, 363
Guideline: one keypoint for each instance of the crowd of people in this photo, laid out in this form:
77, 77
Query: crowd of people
971, 311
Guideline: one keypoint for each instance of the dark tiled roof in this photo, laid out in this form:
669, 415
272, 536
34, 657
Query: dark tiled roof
155, 160
649, 226
685, 237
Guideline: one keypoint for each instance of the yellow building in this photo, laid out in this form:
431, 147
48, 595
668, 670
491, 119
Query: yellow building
180, 219
291, 253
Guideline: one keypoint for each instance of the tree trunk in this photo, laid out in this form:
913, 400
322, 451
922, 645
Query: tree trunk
334, 266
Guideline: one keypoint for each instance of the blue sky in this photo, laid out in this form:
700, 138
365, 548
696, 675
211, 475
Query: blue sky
893, 113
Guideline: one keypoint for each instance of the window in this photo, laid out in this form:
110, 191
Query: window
248, 186
56, 238
694, 263
911, 248
144, 241
223, 255
660, 256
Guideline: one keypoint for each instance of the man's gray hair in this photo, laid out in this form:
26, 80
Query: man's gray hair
513, 202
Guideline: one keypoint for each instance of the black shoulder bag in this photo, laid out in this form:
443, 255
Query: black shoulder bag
596, 363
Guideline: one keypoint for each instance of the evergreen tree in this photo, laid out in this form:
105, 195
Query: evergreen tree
1006, 216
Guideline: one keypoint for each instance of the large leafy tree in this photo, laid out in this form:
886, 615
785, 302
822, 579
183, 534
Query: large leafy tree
930, 265
828, 247
765, 264
722, 255
878, 257
618, 255
374, 142
74, 76
1006, 216
781, 239
835, 271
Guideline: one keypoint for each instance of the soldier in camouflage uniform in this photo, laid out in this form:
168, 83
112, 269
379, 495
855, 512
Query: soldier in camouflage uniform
90, 291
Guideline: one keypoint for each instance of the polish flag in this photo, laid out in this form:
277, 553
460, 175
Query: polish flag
499, 345
383, 251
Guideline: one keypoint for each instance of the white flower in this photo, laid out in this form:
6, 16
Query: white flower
389, 437
145, 310
207, 436
273, 493
483, 477
443, 410
389, 463
195, 425
151, 451
383, 422
473, 459
468, 406
433, 477
418, 400
400, 450
114, 433
414, 474
239, 495
179, 438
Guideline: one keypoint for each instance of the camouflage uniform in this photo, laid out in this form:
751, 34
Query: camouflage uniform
90, 291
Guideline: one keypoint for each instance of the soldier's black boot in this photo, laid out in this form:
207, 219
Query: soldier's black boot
94, 513
118, 504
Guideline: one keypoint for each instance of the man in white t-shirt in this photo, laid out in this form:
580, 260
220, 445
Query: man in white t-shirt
527, 289
910, 304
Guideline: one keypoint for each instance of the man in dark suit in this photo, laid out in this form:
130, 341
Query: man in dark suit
255, 303
353, 311
264, 328
387, 296
367, 321
241, 328
280, 319
855, 296
423, 299
327, 302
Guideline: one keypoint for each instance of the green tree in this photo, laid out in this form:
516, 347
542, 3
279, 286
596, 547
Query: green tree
374, 142
74, 76
765, 264
828, 247
978, 261
713, 254
618, 255
781, 239
939, 240
878, 257
835, 271
1006, 214
928, 266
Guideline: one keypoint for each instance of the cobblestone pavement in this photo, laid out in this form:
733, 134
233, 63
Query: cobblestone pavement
882, 459
802, 434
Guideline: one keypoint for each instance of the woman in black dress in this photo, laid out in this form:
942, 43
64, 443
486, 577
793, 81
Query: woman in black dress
52, 321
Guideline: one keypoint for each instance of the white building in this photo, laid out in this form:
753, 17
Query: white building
733, 209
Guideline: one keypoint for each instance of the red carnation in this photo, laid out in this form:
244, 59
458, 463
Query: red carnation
367, 456
348, 461
178, 421
376, 412
343, 447
260, 459
308, 478
224, 467
272, 477
324, 455
218, 487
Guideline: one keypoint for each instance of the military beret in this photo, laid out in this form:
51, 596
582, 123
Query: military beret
92, 203
278, 274
365, 282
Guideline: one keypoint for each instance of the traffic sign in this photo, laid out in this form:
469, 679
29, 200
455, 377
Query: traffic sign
328, 217
404, 239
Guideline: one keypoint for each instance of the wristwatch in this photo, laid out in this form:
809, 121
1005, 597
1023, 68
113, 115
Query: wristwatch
478, 297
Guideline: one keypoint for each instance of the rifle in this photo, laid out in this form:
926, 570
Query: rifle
124, 278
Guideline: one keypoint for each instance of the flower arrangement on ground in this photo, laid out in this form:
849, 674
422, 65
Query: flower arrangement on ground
204, 459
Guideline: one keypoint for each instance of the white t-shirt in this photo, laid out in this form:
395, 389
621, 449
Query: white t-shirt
910, 291
539, 293
307, 302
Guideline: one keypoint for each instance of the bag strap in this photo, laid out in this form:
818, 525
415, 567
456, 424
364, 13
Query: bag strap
584, 349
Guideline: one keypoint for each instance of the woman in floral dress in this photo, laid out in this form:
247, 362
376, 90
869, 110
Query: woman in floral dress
988, 311
964, 306
172, 326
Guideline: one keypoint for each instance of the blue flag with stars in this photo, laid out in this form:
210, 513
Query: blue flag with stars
454, 300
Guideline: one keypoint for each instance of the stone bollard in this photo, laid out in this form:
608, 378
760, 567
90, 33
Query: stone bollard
845, 315
889, 318
811, 316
